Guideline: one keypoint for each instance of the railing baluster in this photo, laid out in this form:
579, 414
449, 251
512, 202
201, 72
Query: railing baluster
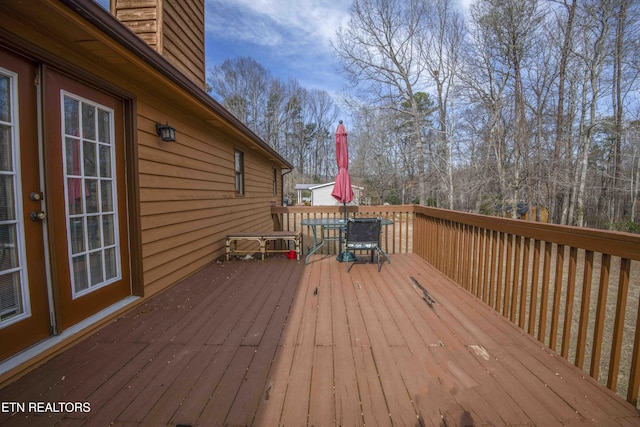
533, 298
544, 297
447, 253
634, 375
499, 278
486, 235
459, 260
476, 262
557, 293
516, 279
507, 276
468, 253
568, 310
618, 325
601, 312
492, 275
584, 308
525, 282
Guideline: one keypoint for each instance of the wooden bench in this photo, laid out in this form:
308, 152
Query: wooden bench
263, 237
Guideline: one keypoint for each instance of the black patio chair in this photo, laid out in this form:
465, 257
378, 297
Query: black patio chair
364, 234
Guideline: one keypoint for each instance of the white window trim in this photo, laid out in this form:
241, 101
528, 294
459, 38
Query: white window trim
77, 294
19, 210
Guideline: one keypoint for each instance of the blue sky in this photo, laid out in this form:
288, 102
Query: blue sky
290, 38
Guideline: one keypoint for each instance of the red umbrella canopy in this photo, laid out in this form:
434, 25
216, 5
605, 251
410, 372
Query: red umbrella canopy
342, 190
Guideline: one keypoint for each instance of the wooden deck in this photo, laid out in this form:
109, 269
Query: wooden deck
280, 343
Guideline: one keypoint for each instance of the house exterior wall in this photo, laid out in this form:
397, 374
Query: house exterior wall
143, 17
174, 28
187, 195
187, 201
183, 37
181, 199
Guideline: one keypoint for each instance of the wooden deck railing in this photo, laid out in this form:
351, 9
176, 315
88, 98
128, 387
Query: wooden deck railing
576, 290
571, 288
396, 238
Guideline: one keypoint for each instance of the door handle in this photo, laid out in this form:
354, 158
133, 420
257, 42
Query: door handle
38, 216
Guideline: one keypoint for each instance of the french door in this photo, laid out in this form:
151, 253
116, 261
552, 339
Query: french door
63, 227
24, 297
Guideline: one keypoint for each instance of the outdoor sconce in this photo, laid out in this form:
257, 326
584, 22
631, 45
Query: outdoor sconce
166, 132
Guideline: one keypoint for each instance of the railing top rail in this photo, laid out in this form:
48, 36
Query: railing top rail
625, 245
340, 209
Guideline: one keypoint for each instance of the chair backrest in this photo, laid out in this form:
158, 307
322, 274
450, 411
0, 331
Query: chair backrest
363, 231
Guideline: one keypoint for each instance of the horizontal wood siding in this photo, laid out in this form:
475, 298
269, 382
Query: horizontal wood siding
142, 17
174, 28
183, 37
187, 196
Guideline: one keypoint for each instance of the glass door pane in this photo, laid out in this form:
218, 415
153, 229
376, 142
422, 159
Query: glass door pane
14, 301
90, 189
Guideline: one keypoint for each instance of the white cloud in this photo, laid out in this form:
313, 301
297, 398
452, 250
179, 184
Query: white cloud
232, 23
290, 38
267, 21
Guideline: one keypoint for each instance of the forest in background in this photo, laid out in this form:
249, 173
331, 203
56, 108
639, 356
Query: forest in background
516, 101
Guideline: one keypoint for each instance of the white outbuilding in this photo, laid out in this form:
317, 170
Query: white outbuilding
321, 194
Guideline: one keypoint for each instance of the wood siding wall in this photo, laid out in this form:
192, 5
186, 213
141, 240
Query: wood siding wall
187, 196
181, 199
183, 37
143, 18
174, 28
186, 189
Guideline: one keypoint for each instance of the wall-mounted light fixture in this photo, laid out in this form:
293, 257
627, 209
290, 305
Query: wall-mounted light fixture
166, 132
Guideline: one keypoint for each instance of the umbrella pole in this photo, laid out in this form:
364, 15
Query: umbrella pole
342, 255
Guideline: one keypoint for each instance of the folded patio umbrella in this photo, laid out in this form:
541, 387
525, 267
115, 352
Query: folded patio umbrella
342, 190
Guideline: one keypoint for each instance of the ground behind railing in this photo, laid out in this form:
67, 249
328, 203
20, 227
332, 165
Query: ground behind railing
576, 290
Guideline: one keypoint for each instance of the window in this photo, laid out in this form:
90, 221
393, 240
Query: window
90, 187
14, 297
239, 167
275, 181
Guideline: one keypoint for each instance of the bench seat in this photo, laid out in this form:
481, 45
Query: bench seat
263, 238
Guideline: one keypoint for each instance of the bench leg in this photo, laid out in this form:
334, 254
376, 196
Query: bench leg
263, 247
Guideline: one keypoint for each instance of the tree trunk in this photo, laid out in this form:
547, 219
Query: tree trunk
616, 191
555, 163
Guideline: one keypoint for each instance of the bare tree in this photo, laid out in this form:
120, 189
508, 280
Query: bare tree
241, 84
485, 76
374, 158
379, 52
541, 73
323, 116
511, 27
443, 37
591, 56
635, 176
618, 93
273, 121
560, 137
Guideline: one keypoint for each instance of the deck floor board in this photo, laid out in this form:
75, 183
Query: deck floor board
281, 343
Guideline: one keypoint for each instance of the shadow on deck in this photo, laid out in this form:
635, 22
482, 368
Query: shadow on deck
277, 342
